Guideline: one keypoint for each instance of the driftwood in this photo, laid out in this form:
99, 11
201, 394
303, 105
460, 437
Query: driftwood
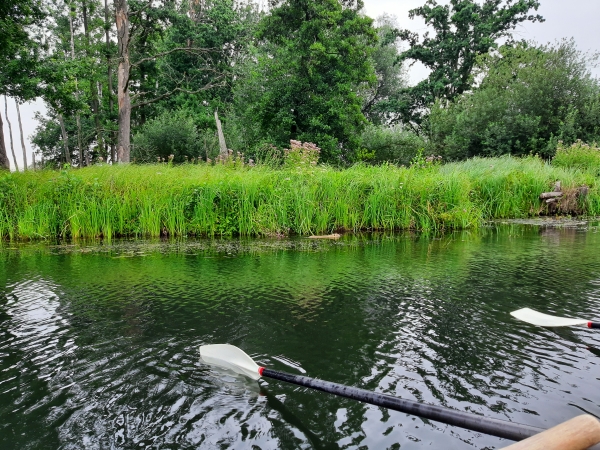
326, 236
557, 186
565, 201
544, 195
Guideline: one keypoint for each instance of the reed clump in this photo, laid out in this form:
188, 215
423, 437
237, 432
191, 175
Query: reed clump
239, 199
579, 155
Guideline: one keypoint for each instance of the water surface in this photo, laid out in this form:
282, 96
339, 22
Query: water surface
99, 342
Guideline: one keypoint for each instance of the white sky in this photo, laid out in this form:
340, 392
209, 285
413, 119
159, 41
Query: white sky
564, 19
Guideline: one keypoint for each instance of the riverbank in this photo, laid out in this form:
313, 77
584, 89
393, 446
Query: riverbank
202, 200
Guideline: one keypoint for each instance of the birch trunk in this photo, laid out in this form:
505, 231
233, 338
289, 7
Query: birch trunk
22, 138
222, 143
93, 86
113, 153
79, 144
65, 139
124, 102
4, 163
12, 147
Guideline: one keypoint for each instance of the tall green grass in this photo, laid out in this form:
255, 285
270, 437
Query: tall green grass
579, 156
203, 200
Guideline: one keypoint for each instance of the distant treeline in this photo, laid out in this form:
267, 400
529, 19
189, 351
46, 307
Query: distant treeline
138, 81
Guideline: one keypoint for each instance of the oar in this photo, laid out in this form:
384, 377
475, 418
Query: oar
544, 320
233, 358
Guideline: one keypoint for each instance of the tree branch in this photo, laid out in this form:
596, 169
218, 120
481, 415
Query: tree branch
177, 89
192, 50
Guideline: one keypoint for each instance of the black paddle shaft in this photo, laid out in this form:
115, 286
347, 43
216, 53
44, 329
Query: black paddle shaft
593, 324
470, 421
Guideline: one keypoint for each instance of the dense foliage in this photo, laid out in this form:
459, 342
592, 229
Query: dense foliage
462, 31
529, 99
128, 80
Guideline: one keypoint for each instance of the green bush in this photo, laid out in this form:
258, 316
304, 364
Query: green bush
394, 144
579, 155
529, 99
171, 133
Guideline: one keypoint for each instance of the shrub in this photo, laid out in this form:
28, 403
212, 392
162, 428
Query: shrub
394, 144
579, 155
301, 155
529, 98
171, 133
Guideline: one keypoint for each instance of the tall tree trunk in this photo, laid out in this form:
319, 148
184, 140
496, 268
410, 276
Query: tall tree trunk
65, 139
33, 160
12, 147
93, 85
124, 120
82, 153
4, 163
113, 153
22, 138
79, 144
222, 144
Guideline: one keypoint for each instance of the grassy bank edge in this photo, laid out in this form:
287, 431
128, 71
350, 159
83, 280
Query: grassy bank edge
202, 200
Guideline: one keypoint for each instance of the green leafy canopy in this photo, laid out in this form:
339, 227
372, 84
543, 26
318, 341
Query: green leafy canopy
462, 31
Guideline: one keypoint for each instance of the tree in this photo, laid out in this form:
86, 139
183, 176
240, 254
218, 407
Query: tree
222, 24
310, 62
147, 21
10, 135
463, 30
17, 54
61, 70
381, 99
529, 98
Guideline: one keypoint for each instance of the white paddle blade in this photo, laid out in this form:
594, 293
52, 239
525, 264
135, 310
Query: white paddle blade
229, 357
544, 320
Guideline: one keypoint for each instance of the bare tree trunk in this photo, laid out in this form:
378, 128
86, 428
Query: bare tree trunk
12, 147
82, 154
22, 138
93, 85
113, 155
65, 139
4, 163
124, 134
222, 144
33, 162
79, 144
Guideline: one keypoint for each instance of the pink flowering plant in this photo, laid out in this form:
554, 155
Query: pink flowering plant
301, 155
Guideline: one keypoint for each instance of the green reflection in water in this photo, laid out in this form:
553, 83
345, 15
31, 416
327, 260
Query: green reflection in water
99, 342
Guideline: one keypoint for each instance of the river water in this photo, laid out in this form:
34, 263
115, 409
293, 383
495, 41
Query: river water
99, 341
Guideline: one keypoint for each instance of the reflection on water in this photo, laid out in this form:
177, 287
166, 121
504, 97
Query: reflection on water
99, 344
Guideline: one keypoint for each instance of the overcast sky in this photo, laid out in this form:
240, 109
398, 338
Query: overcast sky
564, 19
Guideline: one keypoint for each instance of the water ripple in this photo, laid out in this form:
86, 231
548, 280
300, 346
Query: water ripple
102, 352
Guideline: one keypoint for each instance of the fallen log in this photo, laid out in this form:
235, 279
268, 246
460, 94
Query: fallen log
326, 236
544, 195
